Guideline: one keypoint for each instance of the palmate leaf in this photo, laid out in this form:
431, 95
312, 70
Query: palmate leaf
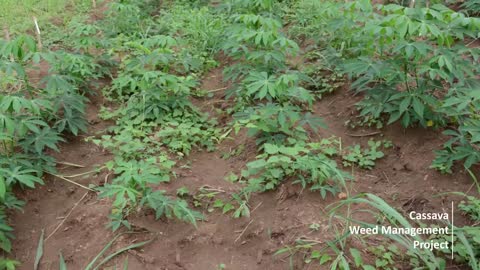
70, 111
12, 69
167, 207
38, 163
404, 104
16, 175
471, 127
160, 41
414, 49
7, 125
272, 57
301, 94
261, 84
9, 264
77, 65
313, 121
59, 82
26, 124
357, 66
121, 194
14, 104
72, 123
142, 172
305, 163
46, 138
20, 48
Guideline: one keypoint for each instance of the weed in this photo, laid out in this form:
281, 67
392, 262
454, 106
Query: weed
323, 82
275, 123
314, 226
306, 164
180, 137
183, 191
155, 112
471, 207
465, 247
364, 121
472, 7
386, 258
225, 207
234, 152
304, 247
204, 196
364, 158
199, 27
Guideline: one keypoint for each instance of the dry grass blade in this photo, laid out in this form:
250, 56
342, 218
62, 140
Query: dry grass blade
243, 231
73, 182
69, 213
70, 164
364, 135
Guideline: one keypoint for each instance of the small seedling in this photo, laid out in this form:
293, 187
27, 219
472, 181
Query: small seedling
204, 195
234, 152
471, 207
183, 191
314, 226
365, 158
226, 207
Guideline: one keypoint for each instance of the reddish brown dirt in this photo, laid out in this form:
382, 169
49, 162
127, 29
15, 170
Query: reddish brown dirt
402, 178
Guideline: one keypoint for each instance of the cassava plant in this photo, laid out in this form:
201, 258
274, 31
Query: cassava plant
33, 116
411, 63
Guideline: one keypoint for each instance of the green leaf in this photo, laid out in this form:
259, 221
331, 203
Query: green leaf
270, 149
259, 163
63, 265
100, 254
325, 258
39, 253
404, 104
47, 137
3, 188
227, 207
418, 107
406, 119
394, 117
357, 257
133, 246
